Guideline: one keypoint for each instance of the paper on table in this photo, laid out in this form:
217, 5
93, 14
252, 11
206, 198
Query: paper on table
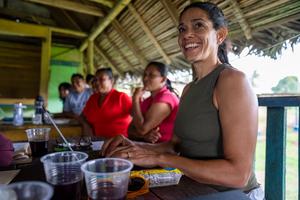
7, 176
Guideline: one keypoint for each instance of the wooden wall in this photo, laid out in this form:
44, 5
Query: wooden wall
19, 69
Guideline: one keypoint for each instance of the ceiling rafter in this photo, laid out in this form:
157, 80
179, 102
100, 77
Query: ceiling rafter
106, 3
106, 59
264, 8
106, 21
72, 6
71, 20
149, 33
27, 17
116, 25
117, 49
241, 19
172, 11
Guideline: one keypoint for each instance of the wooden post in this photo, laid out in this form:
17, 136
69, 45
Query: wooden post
45, 66
275, 153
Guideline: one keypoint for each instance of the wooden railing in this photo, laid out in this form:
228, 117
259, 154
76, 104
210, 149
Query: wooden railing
275, 186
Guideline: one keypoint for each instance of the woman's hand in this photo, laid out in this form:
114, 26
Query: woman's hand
138, 155
137, 94
153, 136
114, 143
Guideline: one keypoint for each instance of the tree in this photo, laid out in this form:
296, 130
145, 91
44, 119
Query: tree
289, 84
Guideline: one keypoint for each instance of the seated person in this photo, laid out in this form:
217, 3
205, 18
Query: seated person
157, 112
6, 151
89, 80
77, 98
64, 90
215, 129
107, 112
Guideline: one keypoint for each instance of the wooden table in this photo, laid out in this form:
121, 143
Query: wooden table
17, 133
185, 189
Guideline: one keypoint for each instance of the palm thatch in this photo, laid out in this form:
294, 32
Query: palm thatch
143, 30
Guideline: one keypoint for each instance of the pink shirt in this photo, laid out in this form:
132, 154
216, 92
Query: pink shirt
167, 125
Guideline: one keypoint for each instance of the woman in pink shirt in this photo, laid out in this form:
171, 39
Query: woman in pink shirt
153, 117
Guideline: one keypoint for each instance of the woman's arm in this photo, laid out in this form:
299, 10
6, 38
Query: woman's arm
237, 106
87, 130
154, 116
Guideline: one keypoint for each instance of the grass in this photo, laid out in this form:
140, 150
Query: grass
291, 153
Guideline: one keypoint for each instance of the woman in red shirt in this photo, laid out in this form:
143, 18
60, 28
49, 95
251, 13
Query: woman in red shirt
107, 112
153, 117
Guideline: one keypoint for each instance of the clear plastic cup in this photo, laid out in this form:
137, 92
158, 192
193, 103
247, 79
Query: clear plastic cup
26, 190
63, 171
38, 139
107, 178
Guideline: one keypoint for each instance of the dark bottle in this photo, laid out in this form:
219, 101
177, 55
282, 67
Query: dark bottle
38, 117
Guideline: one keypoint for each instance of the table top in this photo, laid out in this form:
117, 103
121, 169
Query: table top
187, 188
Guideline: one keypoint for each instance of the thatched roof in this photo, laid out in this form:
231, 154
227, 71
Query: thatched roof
127, 34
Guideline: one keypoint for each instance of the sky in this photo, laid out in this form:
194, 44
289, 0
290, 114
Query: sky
270, 71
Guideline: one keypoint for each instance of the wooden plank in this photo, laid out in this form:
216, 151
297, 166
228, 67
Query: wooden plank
8, 27
72, 6
149, 34
279, 101
13, 101
275, 153
107, 3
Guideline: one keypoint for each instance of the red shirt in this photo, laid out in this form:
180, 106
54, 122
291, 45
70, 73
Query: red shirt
167, 125
112, 117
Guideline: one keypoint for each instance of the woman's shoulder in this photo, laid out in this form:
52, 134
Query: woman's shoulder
231, 75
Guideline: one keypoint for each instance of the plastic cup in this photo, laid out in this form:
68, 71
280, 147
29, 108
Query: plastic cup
26, 190
107, 178
63, 171
38, 139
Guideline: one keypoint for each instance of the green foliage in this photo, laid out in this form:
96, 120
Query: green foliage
289, 84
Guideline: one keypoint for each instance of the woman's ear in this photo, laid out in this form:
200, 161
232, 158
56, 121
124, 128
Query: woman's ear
221, 34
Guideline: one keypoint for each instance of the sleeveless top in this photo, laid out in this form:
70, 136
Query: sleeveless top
198, 125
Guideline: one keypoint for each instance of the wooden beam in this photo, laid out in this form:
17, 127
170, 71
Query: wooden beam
71, 20
117, 49
8, 27
241, 19
45, 66
172, 11
27, 17
102, 24
106, 3
90, 52
149, 33
129, 42
107, 60
72, 6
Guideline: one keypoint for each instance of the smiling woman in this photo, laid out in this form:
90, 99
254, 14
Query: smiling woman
216, 124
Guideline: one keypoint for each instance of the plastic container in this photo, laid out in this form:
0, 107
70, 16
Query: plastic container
160, 177
107, 178
26, 190
63, 171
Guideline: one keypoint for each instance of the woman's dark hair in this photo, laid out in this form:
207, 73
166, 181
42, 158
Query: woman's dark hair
163, 70
107, 71
217, 17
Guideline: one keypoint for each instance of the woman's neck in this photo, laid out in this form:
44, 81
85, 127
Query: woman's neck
202, 68
153, 93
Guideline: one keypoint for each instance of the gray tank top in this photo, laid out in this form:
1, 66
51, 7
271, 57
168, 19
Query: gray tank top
198, 125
